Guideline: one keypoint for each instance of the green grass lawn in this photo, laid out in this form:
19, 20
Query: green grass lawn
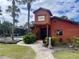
16, 52
66, 54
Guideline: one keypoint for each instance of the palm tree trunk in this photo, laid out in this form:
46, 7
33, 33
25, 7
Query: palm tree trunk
29, 7
13, 16
13, 30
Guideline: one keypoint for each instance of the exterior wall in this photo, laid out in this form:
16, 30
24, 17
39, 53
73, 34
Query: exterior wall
42, 13
68, 29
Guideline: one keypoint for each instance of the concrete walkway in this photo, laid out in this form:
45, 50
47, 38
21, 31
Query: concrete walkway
41, 52
4, 57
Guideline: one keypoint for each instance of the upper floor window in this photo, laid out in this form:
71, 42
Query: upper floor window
41, 18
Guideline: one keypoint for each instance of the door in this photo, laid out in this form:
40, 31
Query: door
43, 33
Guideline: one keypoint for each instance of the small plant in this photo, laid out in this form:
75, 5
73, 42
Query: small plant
55, 41
29, 38
45, 41
76, 41
72, 42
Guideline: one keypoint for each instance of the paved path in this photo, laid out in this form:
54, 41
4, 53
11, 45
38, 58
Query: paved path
41, 52
4, 57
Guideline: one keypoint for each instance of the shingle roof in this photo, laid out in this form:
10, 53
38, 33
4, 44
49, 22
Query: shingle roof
43, 9
67, 20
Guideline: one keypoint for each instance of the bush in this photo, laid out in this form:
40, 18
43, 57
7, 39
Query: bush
54, 41
29, 38
73, 41
76, 41
45, 41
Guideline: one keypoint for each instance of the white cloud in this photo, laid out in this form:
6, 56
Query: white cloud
68, 7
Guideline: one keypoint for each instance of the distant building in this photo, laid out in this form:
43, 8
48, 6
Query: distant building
46, 25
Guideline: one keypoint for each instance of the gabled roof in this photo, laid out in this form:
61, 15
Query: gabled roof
43, 9
67, 20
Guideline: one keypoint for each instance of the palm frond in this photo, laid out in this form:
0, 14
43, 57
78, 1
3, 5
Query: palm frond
18, 1
18, 10
16, 14
0, 11
27, 1
9, 9
16, 21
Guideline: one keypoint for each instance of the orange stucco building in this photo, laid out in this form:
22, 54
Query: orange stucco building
48, 25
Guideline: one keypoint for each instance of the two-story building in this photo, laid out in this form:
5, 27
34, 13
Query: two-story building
48, 25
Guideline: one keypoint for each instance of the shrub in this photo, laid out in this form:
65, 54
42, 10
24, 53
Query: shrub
54, 41
29, 38
45, 41
73, 41
76, 41
67, 41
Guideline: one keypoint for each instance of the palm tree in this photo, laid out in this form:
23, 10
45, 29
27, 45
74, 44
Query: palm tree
29, 8
13, 9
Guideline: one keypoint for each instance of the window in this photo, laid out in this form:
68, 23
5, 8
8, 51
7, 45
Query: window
59, 32
41, 18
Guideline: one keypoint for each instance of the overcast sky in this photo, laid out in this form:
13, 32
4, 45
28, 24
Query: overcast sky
68, 8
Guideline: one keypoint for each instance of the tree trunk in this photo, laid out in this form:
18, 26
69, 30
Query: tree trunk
13, 16
28, 6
